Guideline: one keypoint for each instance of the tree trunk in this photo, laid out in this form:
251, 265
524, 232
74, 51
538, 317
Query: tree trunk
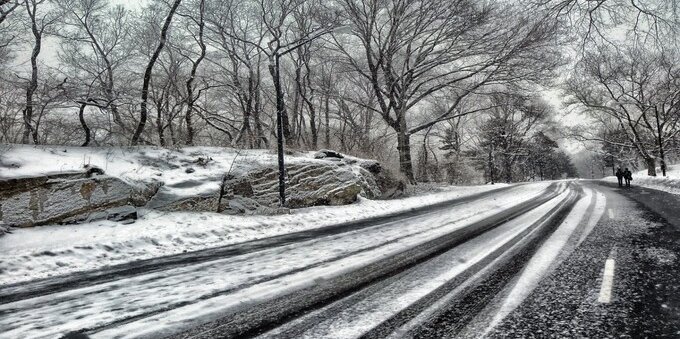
327, 134
33, 84
147, 73
507, 167
296, 113
261, 139
490, 164
194, 68
662, 157
159, 125
244, 131
651, 166
312, 124
274, 69
81, 116
404, 148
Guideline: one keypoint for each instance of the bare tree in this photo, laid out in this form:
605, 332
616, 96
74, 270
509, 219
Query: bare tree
191, 98
12, 104
636, 90
509, 125
413, 50
277, 18
94, 38
592, 21
239, 60
8, 33
149, 69
39, 20
166, 95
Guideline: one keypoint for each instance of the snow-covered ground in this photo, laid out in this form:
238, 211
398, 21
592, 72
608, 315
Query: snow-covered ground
669, 183
40, 252
199, 292
141, 164
44, 251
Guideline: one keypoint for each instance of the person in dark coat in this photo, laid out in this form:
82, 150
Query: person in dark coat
628, 175
619, 176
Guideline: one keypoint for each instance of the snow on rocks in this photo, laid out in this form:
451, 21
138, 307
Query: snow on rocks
203, 179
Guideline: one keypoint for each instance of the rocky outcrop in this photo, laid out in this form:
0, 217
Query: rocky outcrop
312, 183
308, 184
331, 178
65, 198
126, 214
389, 187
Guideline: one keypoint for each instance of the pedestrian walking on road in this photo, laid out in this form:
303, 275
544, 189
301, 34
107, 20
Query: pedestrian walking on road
619, 176
628, 175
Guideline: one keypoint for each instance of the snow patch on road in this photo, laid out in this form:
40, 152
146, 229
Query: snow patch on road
382, 305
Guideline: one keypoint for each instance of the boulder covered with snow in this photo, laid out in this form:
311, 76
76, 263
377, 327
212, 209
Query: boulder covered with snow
307, 184
320, 184
191, 179
378, 182
63, 198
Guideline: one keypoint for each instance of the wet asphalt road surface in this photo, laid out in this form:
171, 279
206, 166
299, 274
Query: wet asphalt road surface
638, 296
639, 232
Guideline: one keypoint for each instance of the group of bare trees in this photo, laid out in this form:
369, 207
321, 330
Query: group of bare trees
635, 92
370, 77
509, 142
627, 81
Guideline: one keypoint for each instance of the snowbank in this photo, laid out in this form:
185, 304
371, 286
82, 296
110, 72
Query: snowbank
39, 252
190, 179
669, 183
188, 171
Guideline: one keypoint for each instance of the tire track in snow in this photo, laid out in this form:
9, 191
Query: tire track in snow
542, 261
31, 289
397, 300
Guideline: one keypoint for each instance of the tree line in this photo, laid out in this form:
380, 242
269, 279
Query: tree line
627, 82
441, 87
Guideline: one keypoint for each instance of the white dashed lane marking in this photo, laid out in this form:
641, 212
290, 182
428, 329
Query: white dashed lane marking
608, 278
611, 213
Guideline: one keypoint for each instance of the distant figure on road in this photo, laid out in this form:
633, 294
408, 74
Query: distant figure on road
628, 175
619, 175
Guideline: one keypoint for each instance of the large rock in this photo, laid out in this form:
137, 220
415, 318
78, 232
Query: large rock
314, 185
199, 203
63, 198
308, 184
376, 181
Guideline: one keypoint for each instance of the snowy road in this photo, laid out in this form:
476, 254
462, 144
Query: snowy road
387, 277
